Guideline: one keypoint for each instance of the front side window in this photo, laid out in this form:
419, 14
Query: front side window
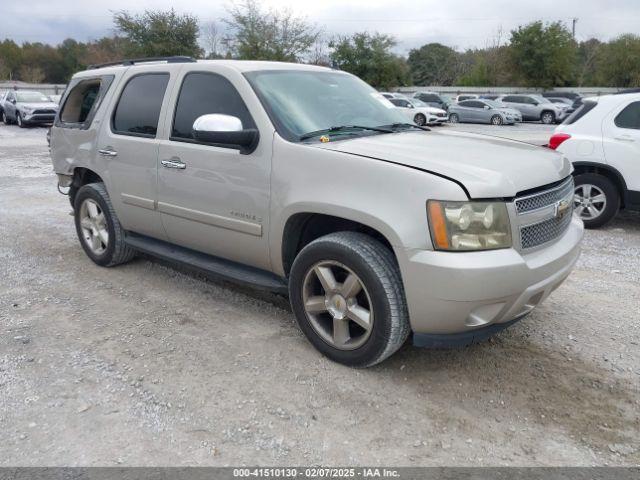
138, 109
629, 117
205, 93
300, 102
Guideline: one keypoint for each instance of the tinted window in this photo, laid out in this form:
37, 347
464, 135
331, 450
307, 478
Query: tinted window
429, 97
139, 106
204, 93
398, 102
474, 104
629, 117
511, 98
582, 110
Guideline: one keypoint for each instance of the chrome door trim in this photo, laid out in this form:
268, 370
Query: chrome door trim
242, 226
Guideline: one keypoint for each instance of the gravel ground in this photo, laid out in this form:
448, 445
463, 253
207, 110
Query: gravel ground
146, 365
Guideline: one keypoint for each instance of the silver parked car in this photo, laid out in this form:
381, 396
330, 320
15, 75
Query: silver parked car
483, 111
27, 107
374, 227
535, 108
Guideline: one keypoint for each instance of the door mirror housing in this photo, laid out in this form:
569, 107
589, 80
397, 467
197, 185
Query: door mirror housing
13, 100
225, 131
487, 107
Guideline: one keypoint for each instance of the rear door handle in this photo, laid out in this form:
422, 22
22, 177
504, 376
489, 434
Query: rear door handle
108, 152
174, 163
625, 138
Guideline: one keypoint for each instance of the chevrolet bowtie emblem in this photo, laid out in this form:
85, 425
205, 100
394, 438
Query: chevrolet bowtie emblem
561, 208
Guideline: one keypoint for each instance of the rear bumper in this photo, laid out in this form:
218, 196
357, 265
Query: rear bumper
450, 292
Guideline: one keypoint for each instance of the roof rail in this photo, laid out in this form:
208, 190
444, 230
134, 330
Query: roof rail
133, 61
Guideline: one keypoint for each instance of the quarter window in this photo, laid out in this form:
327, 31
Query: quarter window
206, 93
83, 100
138, 109
629, 117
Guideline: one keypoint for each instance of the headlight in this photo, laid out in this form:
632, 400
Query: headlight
464, 226
27, 109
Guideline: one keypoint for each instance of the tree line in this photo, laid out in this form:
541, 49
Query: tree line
534, 55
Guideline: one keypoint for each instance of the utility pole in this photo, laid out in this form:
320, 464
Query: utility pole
575, 20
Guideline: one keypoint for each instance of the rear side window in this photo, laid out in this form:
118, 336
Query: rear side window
585, 108
82, 102
203, 93
629, 117
398, 102
138, 109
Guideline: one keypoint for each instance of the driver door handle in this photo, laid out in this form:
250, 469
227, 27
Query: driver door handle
174, 162
625, 138
108, 152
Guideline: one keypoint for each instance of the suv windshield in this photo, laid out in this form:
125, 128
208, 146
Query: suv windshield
300, 102
32, 97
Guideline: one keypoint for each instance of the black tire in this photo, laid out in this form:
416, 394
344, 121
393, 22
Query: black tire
454, 118
117, 251
376, 266
19, 120
547, 117
420, 119
610, 192
5, 118
496, 120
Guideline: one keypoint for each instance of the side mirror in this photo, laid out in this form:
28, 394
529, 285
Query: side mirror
13, 100
487, 107
225, 130
410, 106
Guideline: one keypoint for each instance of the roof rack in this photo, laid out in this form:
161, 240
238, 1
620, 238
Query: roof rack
132, 61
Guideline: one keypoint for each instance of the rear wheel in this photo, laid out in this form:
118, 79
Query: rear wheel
453, 118
596, 199
496, 120
5, 118
346, 293
548, 118
98, 228
420, 119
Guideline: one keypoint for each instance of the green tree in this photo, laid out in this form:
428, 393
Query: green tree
72, 53
11, 57
618, 62
544, 55
369, 57
434, 64
257, 34
159, 33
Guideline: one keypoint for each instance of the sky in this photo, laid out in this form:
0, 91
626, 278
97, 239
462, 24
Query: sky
460, 24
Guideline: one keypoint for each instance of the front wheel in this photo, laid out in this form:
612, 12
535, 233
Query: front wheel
596, 199
346, 293
496, 120
420, 120
5, 118
548, 118
19, 120
453, 118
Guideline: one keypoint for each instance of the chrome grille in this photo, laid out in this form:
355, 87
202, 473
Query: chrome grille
545, 231
540, 216
545, 198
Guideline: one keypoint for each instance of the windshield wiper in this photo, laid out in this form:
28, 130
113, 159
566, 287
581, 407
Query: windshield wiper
396, 126
342, 128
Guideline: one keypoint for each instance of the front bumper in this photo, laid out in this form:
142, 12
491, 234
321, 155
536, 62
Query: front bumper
458, 292
38, 118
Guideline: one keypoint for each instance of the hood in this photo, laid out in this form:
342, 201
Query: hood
434, 110
488, 167
38, 105
511, 111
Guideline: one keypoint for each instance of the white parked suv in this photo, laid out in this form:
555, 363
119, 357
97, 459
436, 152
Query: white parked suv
602, 140
306, 181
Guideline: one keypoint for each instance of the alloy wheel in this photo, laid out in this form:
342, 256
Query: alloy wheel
590, 201
547, 118
453, 118
337, 305
93, 223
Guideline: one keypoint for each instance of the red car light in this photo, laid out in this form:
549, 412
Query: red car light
558, 139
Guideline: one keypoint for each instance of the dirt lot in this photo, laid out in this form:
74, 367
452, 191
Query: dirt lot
144, 365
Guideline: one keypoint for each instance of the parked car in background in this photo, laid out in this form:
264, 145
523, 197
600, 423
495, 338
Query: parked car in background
419, 112
568, 95
535, 108
374, 227
463, 97
28, 107
55, 98
483, 111
433, 99
490, 96
560, 101
602, 140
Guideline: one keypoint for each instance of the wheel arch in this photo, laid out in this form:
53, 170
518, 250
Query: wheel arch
82, 176
606, 171
301, 228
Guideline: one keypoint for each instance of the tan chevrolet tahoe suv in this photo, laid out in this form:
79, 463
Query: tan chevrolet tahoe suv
306, 181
